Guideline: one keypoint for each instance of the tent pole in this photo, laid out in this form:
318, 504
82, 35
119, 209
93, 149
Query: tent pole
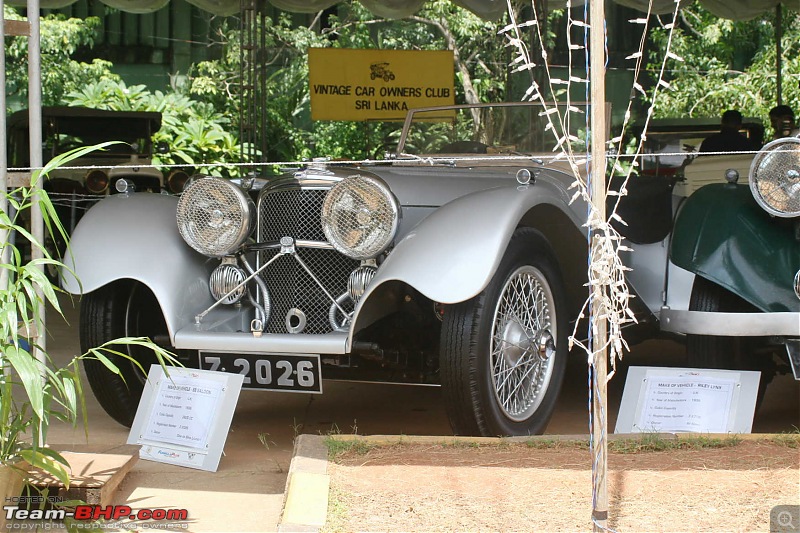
35, 140
3, 147
779, 54
597, 77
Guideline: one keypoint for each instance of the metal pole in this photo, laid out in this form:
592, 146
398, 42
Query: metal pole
597, 79
779, 54
35, 139
3, 148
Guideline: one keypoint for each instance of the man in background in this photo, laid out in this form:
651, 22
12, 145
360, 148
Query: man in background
729, 139
782, 119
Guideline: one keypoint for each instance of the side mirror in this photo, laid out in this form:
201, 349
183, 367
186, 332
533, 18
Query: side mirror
162, 147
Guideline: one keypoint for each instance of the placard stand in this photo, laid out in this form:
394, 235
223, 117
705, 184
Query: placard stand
676, 400
184, 419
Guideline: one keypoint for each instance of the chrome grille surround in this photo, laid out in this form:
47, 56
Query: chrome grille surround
292, 208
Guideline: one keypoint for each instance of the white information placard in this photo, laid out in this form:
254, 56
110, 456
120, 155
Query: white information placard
184, 418
674, 403
676, 400
183, 410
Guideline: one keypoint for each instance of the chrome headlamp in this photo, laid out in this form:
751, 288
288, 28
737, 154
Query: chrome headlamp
775, 177
797, 284
360, 216
215, 216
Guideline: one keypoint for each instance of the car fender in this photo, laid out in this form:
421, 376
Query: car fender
136, 237
722, 235
452, 254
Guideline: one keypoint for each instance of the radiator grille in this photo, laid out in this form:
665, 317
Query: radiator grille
295, 213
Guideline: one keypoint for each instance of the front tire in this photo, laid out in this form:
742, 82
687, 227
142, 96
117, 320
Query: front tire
121, 309
503, 353
724, 353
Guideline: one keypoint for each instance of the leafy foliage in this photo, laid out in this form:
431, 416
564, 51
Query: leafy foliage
35, 392
440, 25
198, 135
727, 65
199, 132
60, 39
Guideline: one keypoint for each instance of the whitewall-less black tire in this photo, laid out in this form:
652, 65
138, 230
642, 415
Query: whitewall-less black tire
503, 353
121, 309
725, 353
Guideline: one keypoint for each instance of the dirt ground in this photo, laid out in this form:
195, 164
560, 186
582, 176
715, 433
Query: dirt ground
521, 487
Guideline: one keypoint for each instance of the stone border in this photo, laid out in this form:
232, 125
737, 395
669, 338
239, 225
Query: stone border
305, 498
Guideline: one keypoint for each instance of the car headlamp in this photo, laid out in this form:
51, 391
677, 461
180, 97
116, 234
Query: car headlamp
360, 216
177, 181
215, 216
775, 177
96, 181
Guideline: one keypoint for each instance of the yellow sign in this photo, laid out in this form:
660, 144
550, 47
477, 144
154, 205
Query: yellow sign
348, 84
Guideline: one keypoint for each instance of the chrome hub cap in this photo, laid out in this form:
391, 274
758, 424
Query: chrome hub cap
523, 343
516, 342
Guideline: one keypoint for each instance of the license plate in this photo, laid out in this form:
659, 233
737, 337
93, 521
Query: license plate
275, 372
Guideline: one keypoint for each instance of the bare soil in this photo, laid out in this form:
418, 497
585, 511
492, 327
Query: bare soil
519, 487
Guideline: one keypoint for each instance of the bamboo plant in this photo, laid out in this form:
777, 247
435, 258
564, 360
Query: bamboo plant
35, 391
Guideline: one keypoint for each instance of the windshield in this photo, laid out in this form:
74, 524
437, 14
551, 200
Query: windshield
512, 128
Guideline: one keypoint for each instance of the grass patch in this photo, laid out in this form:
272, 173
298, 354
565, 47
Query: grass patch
647, 442
790, 440
555, 444
460, 443
337, 447
337, 512
650, 442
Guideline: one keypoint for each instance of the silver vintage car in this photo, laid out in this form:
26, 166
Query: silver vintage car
460, 260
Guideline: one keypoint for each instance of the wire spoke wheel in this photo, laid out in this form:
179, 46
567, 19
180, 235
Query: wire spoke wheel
521, 371
503, 353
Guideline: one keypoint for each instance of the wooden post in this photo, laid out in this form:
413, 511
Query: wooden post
597, 79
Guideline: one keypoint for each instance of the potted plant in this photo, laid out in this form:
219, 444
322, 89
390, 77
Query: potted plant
34, 392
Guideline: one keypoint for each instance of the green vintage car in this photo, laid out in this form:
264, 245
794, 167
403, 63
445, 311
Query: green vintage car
731, 250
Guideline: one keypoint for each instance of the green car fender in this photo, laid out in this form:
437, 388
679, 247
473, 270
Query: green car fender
721, 234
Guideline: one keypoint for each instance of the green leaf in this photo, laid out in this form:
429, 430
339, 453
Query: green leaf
48, 461
29, 371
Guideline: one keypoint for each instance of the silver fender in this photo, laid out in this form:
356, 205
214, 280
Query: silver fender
452, 254
136, 237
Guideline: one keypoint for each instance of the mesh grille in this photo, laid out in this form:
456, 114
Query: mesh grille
775, 178
291, 212
296, 213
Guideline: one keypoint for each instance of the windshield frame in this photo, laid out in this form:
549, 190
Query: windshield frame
409, 120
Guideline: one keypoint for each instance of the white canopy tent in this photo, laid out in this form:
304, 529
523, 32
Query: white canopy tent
488, 9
